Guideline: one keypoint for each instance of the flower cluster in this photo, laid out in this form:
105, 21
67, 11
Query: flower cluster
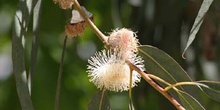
107, 69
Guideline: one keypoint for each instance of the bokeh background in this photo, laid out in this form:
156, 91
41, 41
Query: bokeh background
164, 24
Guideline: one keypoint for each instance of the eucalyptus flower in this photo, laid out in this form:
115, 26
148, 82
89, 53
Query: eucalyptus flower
124, 41
107, 70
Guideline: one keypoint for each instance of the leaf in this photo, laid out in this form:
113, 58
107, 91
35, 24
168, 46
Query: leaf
198, 21
34, 47
212, 89
189, 102
162, 65
96, 100
21, 22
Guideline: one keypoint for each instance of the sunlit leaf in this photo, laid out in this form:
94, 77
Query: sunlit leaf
98, 98
34, 48
198, 21
189, 102
21, 22
212, 89
162, 65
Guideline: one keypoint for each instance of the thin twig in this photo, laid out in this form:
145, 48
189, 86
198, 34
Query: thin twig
130, 84
183, 83
57, 98
158, 79
101, 99
130, 90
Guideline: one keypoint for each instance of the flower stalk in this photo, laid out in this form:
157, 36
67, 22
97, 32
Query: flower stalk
182, 83
101, 100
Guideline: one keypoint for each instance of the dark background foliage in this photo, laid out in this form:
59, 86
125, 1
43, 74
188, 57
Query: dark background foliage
161, 23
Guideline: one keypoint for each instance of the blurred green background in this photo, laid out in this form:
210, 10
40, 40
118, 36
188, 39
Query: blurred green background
162, 23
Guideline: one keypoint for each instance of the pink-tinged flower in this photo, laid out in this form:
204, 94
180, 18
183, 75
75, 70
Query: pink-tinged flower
124, 41
108, 71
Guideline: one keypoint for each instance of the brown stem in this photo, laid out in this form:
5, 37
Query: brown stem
101, 36
156, 86
130, 91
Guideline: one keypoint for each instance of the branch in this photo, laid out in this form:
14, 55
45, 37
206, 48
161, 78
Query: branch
102, 37
156, 86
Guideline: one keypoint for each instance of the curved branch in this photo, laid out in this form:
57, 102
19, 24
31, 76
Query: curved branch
156, 86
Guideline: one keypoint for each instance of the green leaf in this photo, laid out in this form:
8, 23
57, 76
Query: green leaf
34, 47
99, 97
162, 65
21, 22
212, 89
198, 21
189, 102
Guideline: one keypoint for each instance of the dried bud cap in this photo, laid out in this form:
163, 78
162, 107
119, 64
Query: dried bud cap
77, 18
64, 4
73, 30
124, 41
77, 24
